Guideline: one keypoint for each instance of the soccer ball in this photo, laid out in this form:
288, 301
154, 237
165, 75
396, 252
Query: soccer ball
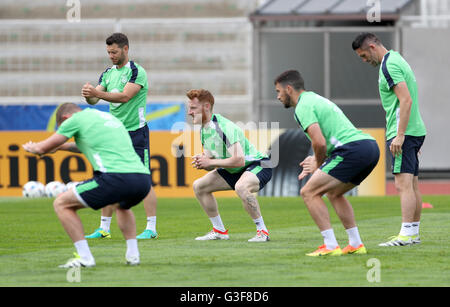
54, 188
33, 189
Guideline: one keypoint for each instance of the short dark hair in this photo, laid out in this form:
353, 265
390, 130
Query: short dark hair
66, 108
117, 38
364, 38
292, 78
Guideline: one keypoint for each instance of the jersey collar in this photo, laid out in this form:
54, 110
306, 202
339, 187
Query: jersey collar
126, 65
212, 123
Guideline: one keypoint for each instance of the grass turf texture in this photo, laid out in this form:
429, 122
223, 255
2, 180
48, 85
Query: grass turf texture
33, 244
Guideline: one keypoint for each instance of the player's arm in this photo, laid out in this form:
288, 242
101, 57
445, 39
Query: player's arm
48, 145
72, 147
237, 159
319, 145
86, 93
405, 101
129, 91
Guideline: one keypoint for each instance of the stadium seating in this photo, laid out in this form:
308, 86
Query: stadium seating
47, 56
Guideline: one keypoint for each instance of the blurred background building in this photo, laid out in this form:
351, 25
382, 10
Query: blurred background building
234, 48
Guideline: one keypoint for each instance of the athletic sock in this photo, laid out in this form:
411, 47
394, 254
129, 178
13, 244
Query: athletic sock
259, 222
407, 229
217, 223
151, 223
105, 223
83, 250
132, 248
416, 226
353, 237
329, 239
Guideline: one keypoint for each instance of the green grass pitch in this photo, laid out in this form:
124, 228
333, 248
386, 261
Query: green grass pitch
33, 244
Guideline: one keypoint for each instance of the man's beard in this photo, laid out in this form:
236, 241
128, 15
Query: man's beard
287, 102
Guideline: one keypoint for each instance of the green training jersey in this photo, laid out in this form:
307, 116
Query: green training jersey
220, 133
336, 127
113, 79
393, 70
104, 141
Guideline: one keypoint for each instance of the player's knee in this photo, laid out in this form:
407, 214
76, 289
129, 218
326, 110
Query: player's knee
304, 192
403, 186
198, 187
307, 193
58, 204
332, 195
241, 189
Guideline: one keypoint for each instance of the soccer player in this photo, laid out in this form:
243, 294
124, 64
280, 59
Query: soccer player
405, 129
124, 85
120, 178
343, 157
233, 164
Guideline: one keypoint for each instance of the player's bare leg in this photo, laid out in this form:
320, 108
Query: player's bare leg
418, 212
341, 205
405, 187
203, 189
150, 204
66, 206
319, 184
127, 224
411, 205
346, 214
245, 188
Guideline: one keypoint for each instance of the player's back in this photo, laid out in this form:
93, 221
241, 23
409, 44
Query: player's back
104, 140
336, 128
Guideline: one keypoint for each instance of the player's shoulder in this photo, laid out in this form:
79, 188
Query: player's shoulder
221, 120
394, 58
108, 69
106, 72
224, 123
309, 98
135, 65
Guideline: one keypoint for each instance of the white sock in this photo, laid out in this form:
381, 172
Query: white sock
83, 250
353, 237
105, 223
217, 223
259, 222
407, 229
416, 226
132, 248
329, 239
151, 223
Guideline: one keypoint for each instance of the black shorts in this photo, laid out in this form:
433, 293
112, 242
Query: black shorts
127, 189
408, 161
141, 143
264, 174
352, 162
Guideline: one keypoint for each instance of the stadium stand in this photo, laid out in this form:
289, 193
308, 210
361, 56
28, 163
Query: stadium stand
182, 44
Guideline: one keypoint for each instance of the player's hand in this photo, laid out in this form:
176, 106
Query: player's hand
396, 145
31, 148
201, 162
88, 91
309, 166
